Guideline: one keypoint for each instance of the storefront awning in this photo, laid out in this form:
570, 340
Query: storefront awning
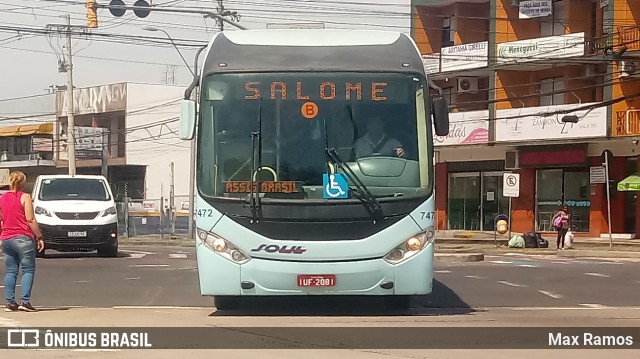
631, 183
27, 130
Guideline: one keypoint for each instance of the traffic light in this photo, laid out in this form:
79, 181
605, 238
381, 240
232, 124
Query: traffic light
92, 15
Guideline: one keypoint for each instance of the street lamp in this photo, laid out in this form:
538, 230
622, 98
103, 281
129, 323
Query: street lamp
192, 154
151, 28
570, 119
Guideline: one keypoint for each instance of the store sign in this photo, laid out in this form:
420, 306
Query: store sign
552, 47
463, 57
560, 157
535, 8
470, 127
597, 174
539, 123
431, 63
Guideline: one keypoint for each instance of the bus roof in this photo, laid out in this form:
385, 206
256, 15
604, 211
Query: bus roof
312, 50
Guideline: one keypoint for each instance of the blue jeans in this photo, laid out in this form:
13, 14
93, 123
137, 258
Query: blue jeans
19, 251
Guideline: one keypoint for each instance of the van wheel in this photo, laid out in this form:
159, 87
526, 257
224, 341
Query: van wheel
111, 251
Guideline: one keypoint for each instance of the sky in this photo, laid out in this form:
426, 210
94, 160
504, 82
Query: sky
29, 63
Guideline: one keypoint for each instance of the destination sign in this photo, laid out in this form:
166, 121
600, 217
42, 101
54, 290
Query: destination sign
265, 187
328, 90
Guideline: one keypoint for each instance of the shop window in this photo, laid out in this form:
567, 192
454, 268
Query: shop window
551, 91
555, 187
554, 24
22, 145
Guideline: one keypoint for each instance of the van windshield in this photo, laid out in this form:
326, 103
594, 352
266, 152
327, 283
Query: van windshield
60, 189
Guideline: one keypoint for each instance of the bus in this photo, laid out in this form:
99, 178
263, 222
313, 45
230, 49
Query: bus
314, 165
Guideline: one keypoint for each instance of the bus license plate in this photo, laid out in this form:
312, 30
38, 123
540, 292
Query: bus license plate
77, 234
319, 280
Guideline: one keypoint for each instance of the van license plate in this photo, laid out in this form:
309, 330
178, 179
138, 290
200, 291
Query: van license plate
77, 234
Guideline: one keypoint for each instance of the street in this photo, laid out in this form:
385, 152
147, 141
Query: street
166, 276
158, 287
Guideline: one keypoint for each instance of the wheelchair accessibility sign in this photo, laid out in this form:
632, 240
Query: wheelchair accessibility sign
335, 186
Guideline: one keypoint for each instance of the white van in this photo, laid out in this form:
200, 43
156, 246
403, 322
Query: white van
76, 213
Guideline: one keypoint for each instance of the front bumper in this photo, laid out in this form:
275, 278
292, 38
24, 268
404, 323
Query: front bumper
57, 237
219, 276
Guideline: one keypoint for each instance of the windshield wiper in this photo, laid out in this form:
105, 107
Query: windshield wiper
364, 195
256, 205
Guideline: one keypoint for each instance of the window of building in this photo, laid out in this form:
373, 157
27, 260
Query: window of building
554, 24
447, 32
550, 91
22, 145
555, 187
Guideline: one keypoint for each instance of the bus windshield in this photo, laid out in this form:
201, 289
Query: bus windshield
373, 121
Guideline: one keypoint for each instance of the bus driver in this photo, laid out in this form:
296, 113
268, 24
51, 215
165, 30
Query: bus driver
376, 142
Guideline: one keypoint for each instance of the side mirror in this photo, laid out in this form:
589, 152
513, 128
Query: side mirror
441, 116
187, 119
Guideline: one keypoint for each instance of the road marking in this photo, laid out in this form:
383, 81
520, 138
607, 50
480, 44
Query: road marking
6, 322
132, 278
83, 281
177, 255
593, 306
556, 262
527, 266
552, 295
560, 308
475, 276
597, 275
148, 265
187, 268
511, 284
134, 251
442, 271
501, 262
136, 255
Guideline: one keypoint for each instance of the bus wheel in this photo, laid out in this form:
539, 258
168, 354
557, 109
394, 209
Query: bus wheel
227, 302
397, 302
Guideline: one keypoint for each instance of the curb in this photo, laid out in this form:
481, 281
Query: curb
576, 253
459, 258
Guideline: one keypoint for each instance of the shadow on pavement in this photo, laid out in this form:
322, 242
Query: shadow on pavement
51, 254
442, 301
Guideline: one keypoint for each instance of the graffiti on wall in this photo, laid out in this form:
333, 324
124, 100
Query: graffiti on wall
97, 99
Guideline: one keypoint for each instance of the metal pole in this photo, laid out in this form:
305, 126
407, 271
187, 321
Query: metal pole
71, 147
174, 10
509, 224
172, 198
606, 174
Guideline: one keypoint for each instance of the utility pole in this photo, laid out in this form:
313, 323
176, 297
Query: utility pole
67, 66
221, 12
71, 135
172, 197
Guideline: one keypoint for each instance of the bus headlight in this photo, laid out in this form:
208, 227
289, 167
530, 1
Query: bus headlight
222, 247
410, 247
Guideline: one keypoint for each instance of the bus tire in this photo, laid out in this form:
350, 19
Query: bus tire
397, 302
227, 302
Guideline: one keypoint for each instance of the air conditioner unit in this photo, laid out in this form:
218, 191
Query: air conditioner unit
467, 84
629, 69
512, 160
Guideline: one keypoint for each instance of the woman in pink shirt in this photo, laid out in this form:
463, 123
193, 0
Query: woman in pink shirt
21, 237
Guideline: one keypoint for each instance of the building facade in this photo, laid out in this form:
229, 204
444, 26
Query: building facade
543, 89
132, 129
